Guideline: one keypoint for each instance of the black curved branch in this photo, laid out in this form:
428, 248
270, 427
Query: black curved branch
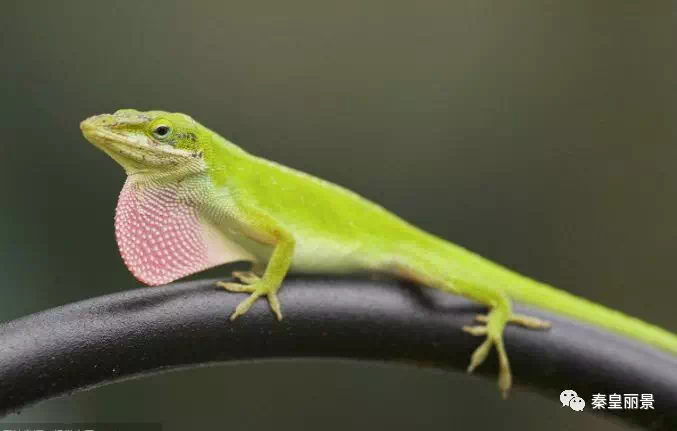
142, 331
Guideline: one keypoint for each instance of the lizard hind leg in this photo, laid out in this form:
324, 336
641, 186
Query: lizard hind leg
494, 323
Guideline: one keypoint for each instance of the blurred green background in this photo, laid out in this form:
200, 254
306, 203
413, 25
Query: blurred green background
538, 133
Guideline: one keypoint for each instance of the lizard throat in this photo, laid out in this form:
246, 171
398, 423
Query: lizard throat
161, 235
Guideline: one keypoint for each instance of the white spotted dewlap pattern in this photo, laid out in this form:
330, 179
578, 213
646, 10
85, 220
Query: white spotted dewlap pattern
159, 235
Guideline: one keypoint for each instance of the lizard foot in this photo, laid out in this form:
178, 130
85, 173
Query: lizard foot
257, 287
493, 330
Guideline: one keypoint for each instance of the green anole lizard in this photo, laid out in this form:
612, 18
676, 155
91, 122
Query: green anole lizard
194, 200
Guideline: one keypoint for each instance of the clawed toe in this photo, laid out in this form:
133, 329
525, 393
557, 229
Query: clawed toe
475, 330
235, 287
246, 277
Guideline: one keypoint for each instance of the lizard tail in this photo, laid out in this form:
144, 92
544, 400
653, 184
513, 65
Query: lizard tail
442, 260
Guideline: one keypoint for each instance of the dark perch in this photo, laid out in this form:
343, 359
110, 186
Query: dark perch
101, 340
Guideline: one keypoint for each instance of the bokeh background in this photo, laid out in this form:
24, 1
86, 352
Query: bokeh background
538, 133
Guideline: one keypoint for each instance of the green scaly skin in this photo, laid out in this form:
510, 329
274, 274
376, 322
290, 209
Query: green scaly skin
282, 219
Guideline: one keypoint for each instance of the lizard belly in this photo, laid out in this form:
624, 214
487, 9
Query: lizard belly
313, 256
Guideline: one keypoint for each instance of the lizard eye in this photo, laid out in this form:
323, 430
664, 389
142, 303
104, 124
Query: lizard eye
162, 131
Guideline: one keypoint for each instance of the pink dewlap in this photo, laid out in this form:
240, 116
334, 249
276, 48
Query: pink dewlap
159, 236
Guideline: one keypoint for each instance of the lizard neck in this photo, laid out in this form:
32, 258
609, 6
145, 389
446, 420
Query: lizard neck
223, 159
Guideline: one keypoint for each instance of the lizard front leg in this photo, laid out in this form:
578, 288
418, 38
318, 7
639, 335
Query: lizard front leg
271, 280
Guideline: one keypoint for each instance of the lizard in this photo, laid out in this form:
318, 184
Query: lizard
194, 200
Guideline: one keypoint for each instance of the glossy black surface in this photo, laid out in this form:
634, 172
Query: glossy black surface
147, 330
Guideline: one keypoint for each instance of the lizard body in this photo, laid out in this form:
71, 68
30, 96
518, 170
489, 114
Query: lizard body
194, 200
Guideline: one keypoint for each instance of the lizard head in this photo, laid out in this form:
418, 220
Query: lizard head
160, 224
153, 142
